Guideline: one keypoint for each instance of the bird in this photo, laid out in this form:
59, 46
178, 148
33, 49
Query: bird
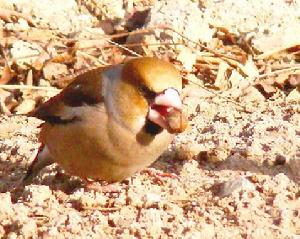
111, 122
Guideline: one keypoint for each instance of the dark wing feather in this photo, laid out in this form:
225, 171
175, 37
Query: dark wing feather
86, 89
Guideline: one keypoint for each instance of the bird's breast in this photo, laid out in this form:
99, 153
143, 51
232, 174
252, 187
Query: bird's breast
99, 147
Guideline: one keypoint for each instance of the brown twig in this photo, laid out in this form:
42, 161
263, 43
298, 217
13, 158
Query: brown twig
7, 73
95, 60
215, 53
28, 87
135, 45
220, 96
123, 47
9, 15
277, 72
274, 51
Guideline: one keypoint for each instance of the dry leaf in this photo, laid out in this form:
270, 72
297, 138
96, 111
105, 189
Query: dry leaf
195, 92
7, 74
267, 90
294, 95
227, 37
237, 80
238, 84
54, 70
66, 58
215, 43
280, 80
267, 87
283, 81
37, 35
235, 53
206, 74
7, 129
221, 81
187, 58
294, 79
40, 61
118, 56
25, 53
250, 68
251, 94
294, 48
5, 96
29, 78
12, 16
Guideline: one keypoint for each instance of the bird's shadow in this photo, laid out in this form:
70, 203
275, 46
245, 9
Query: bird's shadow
56, 179
12, 173
235, 161
238, 161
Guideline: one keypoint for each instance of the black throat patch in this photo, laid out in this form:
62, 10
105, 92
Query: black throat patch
152, 128
148, 133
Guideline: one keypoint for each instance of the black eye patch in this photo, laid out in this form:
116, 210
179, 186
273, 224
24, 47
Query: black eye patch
147, 93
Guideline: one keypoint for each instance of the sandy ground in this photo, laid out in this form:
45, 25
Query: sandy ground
234, 181
237, 173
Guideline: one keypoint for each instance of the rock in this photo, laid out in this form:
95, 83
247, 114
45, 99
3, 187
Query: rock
295, 165
55, 14
276, 27
151, 219
151, 199
54, 70
216, 154
187, 151
74, 222
280, 159
83, 200
252, 94
2, 231
25, 53
187, 58
227, 188
37, 194
28, 229
12, 235
6, 210
106, 9
184, 16
294, 95
124, 218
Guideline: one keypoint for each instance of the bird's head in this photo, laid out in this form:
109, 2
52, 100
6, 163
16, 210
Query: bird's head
149, 89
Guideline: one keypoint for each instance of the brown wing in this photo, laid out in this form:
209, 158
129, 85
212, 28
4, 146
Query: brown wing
86, 89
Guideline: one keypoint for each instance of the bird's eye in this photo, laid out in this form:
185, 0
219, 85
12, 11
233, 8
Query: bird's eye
147, 93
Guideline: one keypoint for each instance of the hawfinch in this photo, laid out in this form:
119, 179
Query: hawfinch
111, 122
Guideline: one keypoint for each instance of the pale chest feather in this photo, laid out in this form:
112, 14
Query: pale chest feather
99, 147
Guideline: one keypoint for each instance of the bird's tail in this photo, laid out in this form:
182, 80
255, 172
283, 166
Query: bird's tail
41, 160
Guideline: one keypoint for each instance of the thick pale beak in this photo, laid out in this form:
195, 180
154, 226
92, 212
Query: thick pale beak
169, 98
166, 111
